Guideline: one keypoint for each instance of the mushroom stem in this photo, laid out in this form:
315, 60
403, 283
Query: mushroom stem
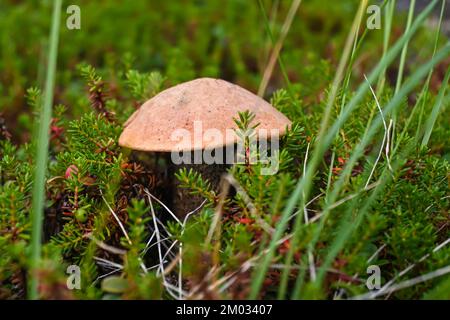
183, 202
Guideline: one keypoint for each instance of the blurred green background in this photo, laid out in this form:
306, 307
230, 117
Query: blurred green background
182, 39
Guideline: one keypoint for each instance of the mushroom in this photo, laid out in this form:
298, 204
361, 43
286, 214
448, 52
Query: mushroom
194, 117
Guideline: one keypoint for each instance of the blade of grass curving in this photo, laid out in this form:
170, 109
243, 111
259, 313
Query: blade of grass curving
260, 274
359, 149
279, 58
355, 46
409, 85
363, 88
277, 47
388, 58
401, 66
42, 144
348, 74
392, 105
300, 279
304, 183
420, 103
389, 14
330, 171
422, 108
348, 225
352, 104
395, 102
358, 45
272, 20
429, 124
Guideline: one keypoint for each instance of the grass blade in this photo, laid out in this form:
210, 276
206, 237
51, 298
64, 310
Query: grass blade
401, 67
267, 26
304, 184
260, 274
389, 14
277, 48
420, 103
359, 149
42, 144
436, 108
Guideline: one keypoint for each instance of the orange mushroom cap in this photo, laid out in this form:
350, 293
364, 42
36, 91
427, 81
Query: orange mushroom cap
214, 102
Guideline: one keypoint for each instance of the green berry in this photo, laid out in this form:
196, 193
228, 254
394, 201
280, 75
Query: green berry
81, 215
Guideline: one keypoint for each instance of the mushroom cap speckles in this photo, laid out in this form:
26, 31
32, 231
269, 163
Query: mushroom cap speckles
212, 103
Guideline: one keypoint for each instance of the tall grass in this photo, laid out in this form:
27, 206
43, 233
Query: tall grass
401, 65
277, 47
325, 138
389, 10
348, 226
439, 103
42, 143
267, 25
422, 99
349, 54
